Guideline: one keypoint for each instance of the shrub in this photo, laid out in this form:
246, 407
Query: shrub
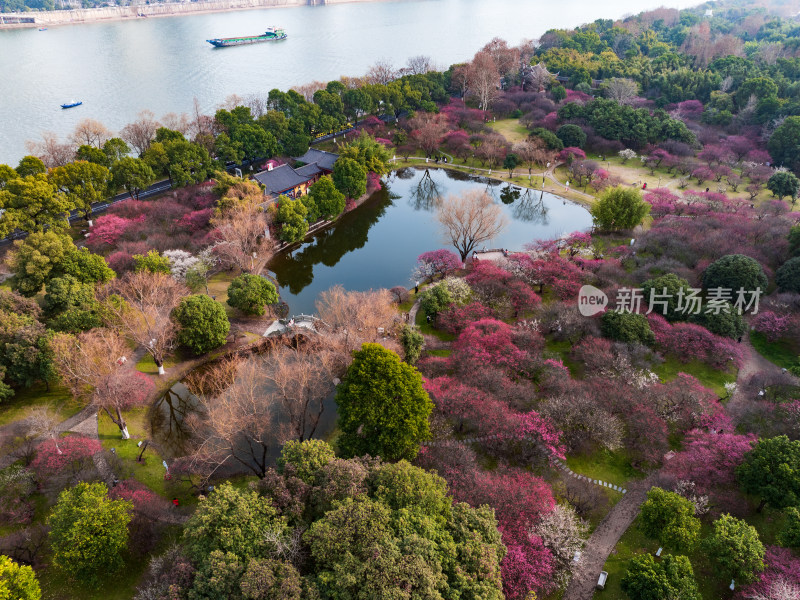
735, 271
726, 324
204, 324
250, 293
619, 208
412, 342
305, 458
571, 135
626, 327
18, 582
89, 532
788, 276
435, 300
670, 519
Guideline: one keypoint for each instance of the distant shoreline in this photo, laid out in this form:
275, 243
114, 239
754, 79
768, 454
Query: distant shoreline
144, 11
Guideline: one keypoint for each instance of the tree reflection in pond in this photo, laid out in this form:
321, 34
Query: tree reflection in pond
377, 244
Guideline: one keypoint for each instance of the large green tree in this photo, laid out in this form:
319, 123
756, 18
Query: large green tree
619, 208
788, 275
670, 519
89, 532
672, 577
323, 200
350, 177
251, 293
84, 184
204, 323
784, 184
771, 470
36, 258
373, 156
291, 215
735, 548
665, 292
783, 145
33, 204
188, 163
133, 175
735, 271
17, 582
383, 408
230, 520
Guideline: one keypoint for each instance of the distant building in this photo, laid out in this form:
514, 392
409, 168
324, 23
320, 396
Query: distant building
294, 181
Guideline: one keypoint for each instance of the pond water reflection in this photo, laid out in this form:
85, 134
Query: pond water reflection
377, 245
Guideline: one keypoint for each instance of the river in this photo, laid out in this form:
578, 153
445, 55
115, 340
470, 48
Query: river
120, 68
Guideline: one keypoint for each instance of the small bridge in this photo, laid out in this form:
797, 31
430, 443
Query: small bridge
282, 326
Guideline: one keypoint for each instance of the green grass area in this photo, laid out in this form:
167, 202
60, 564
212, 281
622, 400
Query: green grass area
428, 329
511, 129
612, 467
443, 353
58, 398
633, 542
781, 352
710, 377
150, 471
147, 365
562, 350
218, 289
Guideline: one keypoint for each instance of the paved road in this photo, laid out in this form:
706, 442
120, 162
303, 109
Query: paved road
99, 207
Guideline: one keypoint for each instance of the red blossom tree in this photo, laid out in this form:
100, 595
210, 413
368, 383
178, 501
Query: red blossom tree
64, 454
688, 341
456, 318
710, 458
436, 263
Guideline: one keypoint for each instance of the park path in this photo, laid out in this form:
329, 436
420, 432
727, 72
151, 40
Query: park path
604, 539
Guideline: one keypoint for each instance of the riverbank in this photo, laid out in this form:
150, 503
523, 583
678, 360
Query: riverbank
144, 11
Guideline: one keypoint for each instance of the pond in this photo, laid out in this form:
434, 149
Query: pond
170, 415
377, 245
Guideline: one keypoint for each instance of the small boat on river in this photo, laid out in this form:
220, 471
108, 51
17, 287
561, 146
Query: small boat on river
272, 34
72, 104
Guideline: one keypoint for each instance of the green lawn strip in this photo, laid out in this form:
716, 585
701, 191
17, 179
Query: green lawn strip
511, 129
611, 467
781, 352
146, 365
710, 377
218, 289
428, 329
150, 472
562, 350
443, 353
58, 398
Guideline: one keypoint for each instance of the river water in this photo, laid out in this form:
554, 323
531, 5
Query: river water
161, 64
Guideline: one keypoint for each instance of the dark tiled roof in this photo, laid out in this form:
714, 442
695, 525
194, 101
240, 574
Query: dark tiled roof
309, 171
280, 179
324, 159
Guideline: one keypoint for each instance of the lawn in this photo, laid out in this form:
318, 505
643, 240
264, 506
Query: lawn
218, 289
443, 353
781, 352
150, 472
147, 365
428, 329
562, 350
511, 129
710, 377
612, 467
59, 399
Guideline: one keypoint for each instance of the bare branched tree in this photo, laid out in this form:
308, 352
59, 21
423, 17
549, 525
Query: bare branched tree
302, 378
52, 152
357, 318
241, 422
621, 90
483, 79
139, 306
242, 233
90, 132
469, 220
419, 65
141, 132
89, 365
176, 122
381, 73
